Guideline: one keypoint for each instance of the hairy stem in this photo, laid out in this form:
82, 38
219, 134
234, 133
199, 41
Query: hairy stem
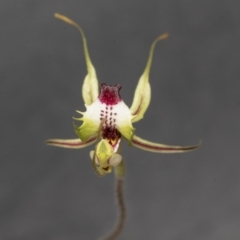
119, 173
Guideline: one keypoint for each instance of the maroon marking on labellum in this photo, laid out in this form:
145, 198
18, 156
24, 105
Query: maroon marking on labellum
110, 132
110, 94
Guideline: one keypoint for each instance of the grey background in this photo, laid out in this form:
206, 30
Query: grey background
53, 194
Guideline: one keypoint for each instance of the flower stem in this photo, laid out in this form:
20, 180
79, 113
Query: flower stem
117, 229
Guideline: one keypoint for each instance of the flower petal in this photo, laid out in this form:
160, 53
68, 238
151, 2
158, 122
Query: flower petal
71, 143
90, 84
142, 95
160, 148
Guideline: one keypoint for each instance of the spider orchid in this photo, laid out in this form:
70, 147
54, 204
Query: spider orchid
108, 119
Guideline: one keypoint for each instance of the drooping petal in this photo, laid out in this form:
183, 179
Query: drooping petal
142, 95
160, 148
71, 143
90, 84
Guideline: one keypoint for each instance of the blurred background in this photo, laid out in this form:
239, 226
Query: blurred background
53, 194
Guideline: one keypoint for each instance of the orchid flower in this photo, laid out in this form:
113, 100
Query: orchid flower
108, 120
